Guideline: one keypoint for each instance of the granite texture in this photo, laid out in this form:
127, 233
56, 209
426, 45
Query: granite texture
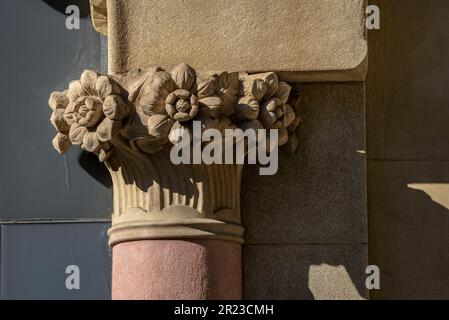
319, 193
306, 272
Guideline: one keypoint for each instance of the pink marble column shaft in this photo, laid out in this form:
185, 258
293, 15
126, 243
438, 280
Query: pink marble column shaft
177, 269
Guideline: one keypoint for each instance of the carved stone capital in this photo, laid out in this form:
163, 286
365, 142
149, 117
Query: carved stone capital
131, 122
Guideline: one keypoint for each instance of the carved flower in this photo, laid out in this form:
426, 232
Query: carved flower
170, 101
89, 113
182, 105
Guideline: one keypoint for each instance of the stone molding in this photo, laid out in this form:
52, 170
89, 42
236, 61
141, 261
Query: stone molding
99, 15
131, 121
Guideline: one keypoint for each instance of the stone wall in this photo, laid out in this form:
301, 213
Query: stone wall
306, 233
408, 149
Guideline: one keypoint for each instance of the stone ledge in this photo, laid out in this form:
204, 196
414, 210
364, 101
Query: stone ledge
322, 40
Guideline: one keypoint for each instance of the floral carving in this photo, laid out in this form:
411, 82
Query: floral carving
88, 114
145, 107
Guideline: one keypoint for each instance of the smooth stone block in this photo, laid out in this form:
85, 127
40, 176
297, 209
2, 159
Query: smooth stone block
409, 222
316, 40
305, 272
407, 96
319, 193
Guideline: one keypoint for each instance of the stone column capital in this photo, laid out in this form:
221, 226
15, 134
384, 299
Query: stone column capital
132, 121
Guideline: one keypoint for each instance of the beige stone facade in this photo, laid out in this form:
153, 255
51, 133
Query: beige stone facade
364, 179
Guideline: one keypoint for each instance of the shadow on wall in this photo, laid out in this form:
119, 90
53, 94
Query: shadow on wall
284, 264
97, 170
409, 219
61, 5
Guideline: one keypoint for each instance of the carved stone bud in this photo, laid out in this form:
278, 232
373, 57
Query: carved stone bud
184, 76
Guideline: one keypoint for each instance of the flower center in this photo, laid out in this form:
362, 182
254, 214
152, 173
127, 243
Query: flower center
183, 106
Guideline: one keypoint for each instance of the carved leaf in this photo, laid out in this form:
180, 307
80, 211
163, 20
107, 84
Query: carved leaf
108, 129
159, 126
115, 108
229, 85
211, 106
247, 109
283, 92
208, 87
104, 87
91, 142
77, 134
151, 98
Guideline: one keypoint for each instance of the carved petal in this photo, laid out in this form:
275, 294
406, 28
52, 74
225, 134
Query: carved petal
179, 133
256, 88
115, 108
271, 79
182, 116
211, 106
103, 155
88, 81
107, 129
283, 92
104, 87
91, 142
247, 109
268, 114
61, 143
75, 91
91, 113
289, 115
58, 121
77, 134
184, 76
58, 100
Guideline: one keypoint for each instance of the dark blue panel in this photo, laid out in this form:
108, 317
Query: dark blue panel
34, 258
40, 55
